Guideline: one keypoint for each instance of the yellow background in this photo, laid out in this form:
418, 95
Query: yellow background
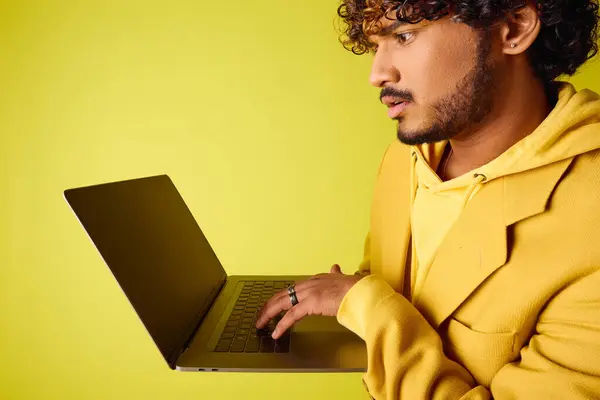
266, 125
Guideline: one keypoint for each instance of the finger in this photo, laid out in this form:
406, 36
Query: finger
271, 308
281, 302
294, 315
317, 276
335, 269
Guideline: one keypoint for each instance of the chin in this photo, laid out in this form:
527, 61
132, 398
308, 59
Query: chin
410, 140
415, 138
421, 133
410, 136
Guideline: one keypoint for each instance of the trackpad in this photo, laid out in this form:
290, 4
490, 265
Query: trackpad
318, 323
322, 341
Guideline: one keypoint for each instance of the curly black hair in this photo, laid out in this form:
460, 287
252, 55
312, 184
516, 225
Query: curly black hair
567, 39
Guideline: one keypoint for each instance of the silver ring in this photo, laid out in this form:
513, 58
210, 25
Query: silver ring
293, 298
291, 289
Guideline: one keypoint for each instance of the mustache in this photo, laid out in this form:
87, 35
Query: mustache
397, 94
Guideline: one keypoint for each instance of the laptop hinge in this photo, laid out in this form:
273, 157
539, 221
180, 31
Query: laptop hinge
196, 324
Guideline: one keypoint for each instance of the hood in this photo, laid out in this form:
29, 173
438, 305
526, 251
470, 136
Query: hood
570, 129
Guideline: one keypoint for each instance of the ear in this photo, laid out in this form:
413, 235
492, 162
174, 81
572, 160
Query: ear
520, 29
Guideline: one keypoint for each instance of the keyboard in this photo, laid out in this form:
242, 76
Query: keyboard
240, 334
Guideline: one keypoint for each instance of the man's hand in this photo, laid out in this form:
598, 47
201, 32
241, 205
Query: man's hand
322, 294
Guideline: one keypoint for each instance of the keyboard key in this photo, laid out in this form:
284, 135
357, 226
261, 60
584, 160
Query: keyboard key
252, 345
282, 345
282, 349
267, 344
229, 329
227, 335
242, 332
262, 332
223, 345
251, 348
237, 347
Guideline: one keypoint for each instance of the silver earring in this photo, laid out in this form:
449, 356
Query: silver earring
513, 45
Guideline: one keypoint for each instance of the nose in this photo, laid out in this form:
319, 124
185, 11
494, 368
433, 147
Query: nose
383, 70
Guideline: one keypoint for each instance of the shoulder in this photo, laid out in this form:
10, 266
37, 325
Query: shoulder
581, 182
396, 161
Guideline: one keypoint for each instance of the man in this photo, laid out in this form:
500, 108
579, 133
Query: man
481, 276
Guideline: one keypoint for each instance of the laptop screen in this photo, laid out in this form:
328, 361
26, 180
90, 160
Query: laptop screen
156, 251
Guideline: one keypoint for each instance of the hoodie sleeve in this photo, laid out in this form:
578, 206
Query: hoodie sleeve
365, 266
406, 359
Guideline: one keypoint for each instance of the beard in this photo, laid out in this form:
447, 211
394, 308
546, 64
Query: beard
466, 107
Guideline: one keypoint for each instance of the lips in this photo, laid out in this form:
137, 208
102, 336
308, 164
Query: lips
396, 105
397, 109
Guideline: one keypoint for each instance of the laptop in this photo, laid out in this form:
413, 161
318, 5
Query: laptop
200, 318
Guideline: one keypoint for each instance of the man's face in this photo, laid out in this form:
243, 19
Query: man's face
443, 69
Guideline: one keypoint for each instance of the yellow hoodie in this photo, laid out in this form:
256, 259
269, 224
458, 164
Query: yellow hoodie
438, 204
407, 349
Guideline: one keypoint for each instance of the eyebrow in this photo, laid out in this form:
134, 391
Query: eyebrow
391, 28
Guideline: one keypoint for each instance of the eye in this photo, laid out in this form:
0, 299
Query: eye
403, 37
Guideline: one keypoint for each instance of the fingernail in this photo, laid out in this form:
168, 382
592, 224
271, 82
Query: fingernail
274, 334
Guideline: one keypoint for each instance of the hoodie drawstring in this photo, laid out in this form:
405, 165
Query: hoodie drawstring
479, 178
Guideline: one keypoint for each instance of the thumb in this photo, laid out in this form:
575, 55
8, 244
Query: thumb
335, 269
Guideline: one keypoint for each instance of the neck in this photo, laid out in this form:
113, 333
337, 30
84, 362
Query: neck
518, 110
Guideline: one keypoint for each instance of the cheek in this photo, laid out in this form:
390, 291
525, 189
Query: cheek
424, 76
440, 70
